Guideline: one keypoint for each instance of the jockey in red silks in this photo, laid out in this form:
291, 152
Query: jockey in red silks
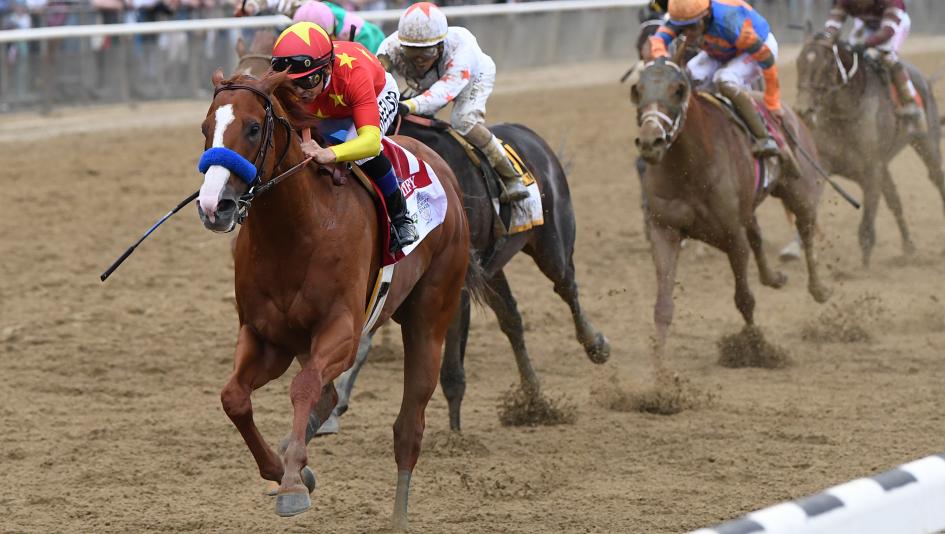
738, 48
443, 64
343, 80
882, 25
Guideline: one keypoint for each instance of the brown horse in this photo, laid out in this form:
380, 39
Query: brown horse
700, 183
306, 261
845, 101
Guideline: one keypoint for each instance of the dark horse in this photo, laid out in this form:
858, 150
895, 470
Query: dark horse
550, 245
700, 183
306, 262
845, 99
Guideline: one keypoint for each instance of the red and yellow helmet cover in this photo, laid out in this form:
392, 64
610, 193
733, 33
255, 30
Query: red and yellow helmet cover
305, 39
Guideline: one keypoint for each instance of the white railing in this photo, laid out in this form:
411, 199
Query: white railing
146, 28
907, 500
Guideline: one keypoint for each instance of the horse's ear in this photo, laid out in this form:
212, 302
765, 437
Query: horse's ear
808, 29
271, 80
240, 47
680, 51
217, 78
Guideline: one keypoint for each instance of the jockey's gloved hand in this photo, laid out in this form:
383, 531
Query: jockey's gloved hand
859, 48
403, 109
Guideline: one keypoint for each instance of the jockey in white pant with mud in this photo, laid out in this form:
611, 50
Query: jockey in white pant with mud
443, 64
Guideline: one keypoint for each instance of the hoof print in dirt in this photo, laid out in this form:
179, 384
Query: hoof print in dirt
749, 348
519, 407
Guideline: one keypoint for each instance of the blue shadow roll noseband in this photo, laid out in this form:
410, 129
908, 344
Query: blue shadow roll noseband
231, 160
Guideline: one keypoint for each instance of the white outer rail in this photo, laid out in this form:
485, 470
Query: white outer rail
143, 28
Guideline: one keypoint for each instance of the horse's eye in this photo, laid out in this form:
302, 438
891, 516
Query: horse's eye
254, 130
680, 92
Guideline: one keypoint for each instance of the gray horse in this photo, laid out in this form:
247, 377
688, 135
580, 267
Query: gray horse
844, 98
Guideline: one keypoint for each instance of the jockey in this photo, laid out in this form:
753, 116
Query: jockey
883, 25
338, 22
344, 80
738, 47
443, 64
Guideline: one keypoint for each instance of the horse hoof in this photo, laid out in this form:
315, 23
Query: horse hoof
308, 478
272, 489
821, 294
290, 504
331, 426
599, 352
908, 248
777, 280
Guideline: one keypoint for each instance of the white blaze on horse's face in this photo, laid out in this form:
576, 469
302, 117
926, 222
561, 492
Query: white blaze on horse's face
216, 176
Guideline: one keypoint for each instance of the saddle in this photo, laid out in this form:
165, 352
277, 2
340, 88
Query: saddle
765, 173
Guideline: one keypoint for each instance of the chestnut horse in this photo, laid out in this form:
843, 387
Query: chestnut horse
306, 260
845, 100
700, 183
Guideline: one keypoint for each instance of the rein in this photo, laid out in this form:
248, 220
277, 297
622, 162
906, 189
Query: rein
846, 76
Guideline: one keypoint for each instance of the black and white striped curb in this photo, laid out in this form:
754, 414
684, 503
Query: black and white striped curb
905, 500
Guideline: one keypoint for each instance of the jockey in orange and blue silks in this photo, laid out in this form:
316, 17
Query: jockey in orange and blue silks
738, 48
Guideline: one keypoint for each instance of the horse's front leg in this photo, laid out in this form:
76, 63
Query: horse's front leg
256, 364
664, 245
738, 259
331, 351
769, 277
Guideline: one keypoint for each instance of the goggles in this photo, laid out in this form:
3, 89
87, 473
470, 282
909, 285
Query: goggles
311, 81
423, 53
298, 64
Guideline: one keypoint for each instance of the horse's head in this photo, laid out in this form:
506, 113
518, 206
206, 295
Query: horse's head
254, 61
238, 134
824, 67
661, 97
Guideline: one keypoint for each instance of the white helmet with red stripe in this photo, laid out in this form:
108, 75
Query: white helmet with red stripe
423, 24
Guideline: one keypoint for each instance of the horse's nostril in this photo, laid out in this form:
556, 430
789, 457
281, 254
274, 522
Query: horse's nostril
226, 206
637, 142
658, 142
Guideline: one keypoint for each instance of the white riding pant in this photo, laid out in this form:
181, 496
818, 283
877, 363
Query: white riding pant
469, 108
742, 70
861, 33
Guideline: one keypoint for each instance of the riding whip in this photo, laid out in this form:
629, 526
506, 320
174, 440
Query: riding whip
820, 170
154, 227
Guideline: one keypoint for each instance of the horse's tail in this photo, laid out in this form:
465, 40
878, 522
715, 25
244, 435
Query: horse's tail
476, 278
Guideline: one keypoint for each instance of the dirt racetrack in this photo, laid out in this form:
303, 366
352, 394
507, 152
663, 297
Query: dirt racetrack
110, 419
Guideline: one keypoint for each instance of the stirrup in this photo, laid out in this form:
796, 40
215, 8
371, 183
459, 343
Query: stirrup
765, 148
402, 236
511, 193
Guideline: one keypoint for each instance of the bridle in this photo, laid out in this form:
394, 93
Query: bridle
668, 126
846, 76
256, 185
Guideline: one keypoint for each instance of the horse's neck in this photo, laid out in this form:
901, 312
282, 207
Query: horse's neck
848, 98
693, 143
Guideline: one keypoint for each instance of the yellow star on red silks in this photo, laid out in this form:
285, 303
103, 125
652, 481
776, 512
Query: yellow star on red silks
320, 115
339, 99
422, 6
368, 55
345, 60
302, 31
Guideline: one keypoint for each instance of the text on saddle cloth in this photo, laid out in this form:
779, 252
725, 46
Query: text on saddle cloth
426, 198
524, 214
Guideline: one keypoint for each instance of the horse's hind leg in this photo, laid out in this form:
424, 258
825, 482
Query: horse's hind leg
319, 425
891, 194
425, 321
255, 365
928, 149
769, 277
452, 373
738, 259
555, 260
499, 297
867, 231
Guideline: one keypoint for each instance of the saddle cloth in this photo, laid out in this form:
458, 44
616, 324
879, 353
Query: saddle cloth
527, 213
426, 199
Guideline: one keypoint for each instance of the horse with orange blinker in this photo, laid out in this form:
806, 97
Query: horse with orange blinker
306, 264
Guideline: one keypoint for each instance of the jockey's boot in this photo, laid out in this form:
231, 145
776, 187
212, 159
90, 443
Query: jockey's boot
483, 139
763, 145
403, 232
907, 108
